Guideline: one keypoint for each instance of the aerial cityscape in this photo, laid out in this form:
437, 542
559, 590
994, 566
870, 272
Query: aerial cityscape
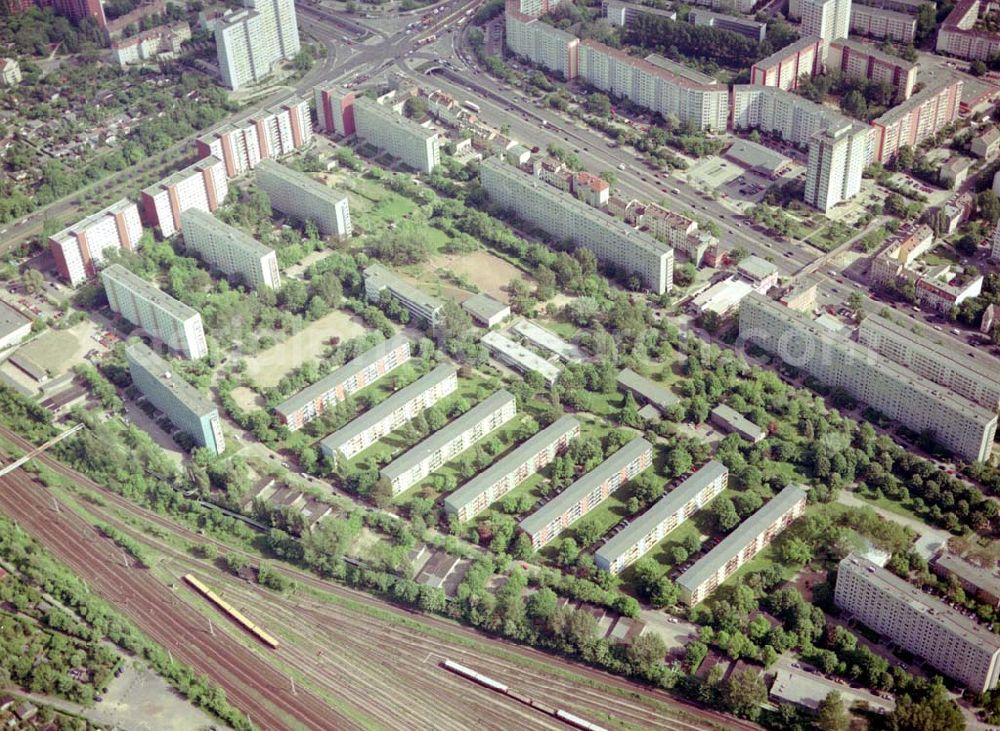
499, 364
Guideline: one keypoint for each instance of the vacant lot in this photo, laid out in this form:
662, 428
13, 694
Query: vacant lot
57, 351
488, 272
268, 367
247, 399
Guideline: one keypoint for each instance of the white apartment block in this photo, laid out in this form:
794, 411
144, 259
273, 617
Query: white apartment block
79, 249
901, 395
501, 477
958, 36
883, 24
828, 19
156, 312
230, 250
641, 536
546, 523
451, 440
613, 242
975, 376
770, 109
656, 84
315, 400
862, 61
786, 66
403, 138
837, 158
919, 117
203, 185
922, 624
252, 40
751, 537
296, 194
543, 44
384, 418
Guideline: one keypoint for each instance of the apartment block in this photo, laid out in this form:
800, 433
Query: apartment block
79, 249
164, 40
203, 185
613, 242
618, 12
642, 535
959, 36
837, 158
315, 400
587, 493
828, 19
901, 395
646, 390
741, 26
919, 117
423, 308
156, 312
335, 110
543, 44
182, 403
417, 463
863, 61
230, 250
252, 40
591, 189
883, 24
772, 110
503, 476
977, 581
751, 537
270, 133
972, 375
680, 232
784, 67
296, 194
732, 421
399, 409
378, 125
516, 356
922, 624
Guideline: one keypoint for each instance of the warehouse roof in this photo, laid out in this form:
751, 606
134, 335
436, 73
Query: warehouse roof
484, 308
758, 157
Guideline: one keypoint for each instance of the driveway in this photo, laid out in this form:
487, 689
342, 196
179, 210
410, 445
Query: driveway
809, 688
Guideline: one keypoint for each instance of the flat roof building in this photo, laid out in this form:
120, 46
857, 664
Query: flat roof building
398, 409
922, 624
758, 158
546, 523
313, 401
159, 314
775, 111
423, 308
181, 402
79, 249
203, 185
838, 155
647, 390
863, 61
722, 298
378, 125
516, 356
784, 67
230, 250
741, 26
252, 40
728, 418
511, 470
749, 538
547, 340
565, 218
959, 36
485, 310
451, 440
644, 532
982, 583
297, 195
14, 327
335, 110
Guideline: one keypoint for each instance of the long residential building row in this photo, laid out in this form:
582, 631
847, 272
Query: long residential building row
775, 111
398, 409
751, 537
565, 218
203, 185
451, 440
511, 470
922, 115
784, 67
229, 249
378, 125
901, 395
158, 313
693, 494
270, 133
958, 35
79, 249
922, 624
315, 400
587, 493
296, 194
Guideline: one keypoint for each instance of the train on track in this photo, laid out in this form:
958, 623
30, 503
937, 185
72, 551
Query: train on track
232, 612
495, 685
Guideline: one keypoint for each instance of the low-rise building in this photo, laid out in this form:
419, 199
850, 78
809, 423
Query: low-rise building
423, 308
485, 310
758, 159
751, 537
229, 249
800, 296
761, 273
727, 418
182, 403
986, 144
623, 13
899, 251
546, 523
79, 249
954, 171
919, 623
203, 185
722, 298
448, 442
160, 43
14, 327
786, 66
315, 400
591, 189
983, 584
547, 340
646, 390
644, 532
516, 356
398, 409
503, 476
297, 195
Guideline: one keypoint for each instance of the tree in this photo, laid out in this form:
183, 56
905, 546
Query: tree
725, 514
988, 206
832, 714
34, 281
743, 694
934, 712
646, 652
415, 107
795, 551
629, 415
977, 68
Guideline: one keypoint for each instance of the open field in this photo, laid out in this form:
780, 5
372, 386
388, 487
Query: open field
247, 399
487, 271
269, 366
57, 351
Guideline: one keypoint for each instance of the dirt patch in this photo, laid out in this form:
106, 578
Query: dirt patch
487, 271
268, 367
57, 351
247, 399
140, 699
